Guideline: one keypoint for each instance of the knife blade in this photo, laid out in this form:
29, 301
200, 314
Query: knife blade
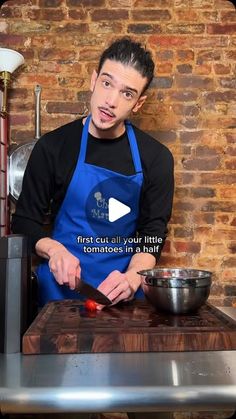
92, 293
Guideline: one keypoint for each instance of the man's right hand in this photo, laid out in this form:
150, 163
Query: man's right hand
64, 266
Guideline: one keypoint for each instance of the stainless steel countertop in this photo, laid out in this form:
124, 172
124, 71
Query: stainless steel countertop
119, 382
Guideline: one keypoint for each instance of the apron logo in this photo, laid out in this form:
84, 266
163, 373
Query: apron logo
100, 212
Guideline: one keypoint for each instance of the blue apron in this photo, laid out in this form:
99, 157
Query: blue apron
83, 227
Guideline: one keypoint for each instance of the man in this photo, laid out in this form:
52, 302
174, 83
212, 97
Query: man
78, 168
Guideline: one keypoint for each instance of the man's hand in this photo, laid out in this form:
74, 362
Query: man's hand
64, 266
116, 287
122, 286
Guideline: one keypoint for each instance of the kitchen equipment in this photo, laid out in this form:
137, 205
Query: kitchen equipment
10, 60
90, 292
176, 290
136, 326
15, 291
19, 155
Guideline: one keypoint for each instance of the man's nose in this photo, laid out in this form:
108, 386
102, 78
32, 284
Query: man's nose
112, 99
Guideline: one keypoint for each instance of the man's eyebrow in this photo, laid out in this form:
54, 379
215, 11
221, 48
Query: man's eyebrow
125, 87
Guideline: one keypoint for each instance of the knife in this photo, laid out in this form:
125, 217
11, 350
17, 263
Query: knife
92, 293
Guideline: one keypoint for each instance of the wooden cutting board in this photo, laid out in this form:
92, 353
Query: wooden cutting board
66, 327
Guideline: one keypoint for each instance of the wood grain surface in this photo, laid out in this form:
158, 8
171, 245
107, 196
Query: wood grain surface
66, 327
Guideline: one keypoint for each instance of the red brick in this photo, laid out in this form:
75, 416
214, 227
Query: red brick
204, 218
203, 69
230, 55
224, 4
187, 247
232, 247
228, 82
226, 29
77, 14
217, 178
191, 137
80, 28
222, 206
190, 110
205, 151
21, 135
173, 261
56, 54
206, 164
53, 14
230, 164
165, 68
222, 68
184, 68
194, 82
183, 206
166, 247
188, 15
105, 27
19, 119
228, 16
181, 232
10, 12
204, 56
42, 79
85, 3
104, 14
34, 14
165, 55
152, 3
50, 3
229, 262
185, 178
178, 218
144, 28
226, 96
230, 137
181, 28
210, 16
71, 108
11, 40
119, 3
185, 55
200, 192
183, 96
150, 15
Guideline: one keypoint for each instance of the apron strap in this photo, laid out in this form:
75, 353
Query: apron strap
133, 147
83, 145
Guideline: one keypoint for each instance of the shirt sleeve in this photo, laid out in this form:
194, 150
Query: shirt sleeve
156, 204
37, 190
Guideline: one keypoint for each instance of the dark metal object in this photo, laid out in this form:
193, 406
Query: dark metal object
177, 291
15, 291
19, 156
92, 293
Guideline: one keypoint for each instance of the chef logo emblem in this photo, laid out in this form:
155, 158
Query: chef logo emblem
100, 210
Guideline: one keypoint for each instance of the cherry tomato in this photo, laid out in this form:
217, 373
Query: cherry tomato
90, 305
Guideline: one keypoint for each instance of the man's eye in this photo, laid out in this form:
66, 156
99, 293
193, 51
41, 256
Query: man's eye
106, 83
128, 95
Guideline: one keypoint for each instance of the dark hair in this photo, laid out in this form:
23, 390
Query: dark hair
130, 53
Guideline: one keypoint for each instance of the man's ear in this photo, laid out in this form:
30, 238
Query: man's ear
139, 103
93, 80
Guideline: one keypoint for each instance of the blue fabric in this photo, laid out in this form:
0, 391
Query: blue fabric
83, 220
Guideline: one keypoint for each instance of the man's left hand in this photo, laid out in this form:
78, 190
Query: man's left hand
117, 287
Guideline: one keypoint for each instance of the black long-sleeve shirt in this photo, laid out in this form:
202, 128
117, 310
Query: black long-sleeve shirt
52, 163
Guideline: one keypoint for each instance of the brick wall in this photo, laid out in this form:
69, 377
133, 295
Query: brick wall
191, 106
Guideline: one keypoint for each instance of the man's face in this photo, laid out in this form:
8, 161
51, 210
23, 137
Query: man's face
116, 92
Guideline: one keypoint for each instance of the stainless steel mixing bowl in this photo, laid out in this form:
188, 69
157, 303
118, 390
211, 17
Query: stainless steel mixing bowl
176, 290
